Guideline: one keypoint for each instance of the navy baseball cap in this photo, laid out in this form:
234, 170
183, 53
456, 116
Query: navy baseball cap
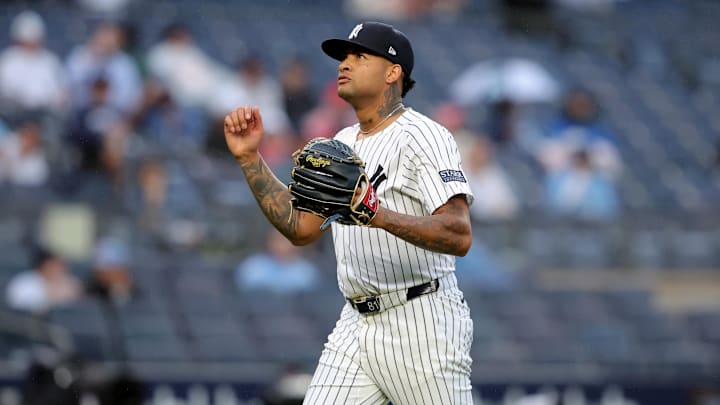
378, 39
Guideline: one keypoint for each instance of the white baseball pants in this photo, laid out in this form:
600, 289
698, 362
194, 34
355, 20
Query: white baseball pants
412, 354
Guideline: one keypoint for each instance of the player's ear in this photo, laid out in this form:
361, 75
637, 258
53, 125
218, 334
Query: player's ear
394, 74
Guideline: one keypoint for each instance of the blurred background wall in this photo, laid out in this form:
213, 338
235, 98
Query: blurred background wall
136, 268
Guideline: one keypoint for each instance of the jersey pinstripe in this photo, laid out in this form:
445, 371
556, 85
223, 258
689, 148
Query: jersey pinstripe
419, 163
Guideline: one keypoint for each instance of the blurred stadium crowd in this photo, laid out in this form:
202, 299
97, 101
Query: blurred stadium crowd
589, 134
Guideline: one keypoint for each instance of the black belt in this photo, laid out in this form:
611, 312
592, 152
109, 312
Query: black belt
372, 303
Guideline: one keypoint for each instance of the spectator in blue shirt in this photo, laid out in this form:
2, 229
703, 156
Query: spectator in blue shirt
578, 126
580, 113
102, 56
280, 269
581, 191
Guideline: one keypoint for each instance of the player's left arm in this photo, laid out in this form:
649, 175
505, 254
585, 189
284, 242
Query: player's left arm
432, 167
447, 230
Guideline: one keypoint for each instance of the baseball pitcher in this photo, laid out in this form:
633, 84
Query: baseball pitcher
393, 193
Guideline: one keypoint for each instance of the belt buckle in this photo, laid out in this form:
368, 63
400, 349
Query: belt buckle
366, 304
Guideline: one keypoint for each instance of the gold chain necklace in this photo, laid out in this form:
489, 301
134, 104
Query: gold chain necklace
383, 120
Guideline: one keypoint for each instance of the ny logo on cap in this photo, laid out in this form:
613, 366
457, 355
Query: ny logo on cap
392, 51
354, 33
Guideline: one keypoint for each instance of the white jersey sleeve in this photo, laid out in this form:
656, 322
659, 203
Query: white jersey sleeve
434, 157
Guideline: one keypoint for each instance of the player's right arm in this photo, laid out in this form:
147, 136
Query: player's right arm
243, 133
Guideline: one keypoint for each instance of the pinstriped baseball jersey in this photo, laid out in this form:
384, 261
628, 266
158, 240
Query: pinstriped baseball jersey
415, 167
414, 352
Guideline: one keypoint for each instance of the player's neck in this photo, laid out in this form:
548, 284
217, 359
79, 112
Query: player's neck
375, 117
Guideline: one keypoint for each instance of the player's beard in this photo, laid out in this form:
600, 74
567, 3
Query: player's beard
356, 96
350, 96
345, 93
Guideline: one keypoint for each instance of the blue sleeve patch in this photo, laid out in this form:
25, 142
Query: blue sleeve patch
452, 175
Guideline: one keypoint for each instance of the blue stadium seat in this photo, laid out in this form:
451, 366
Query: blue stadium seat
88, 323
167, 349
147, 325
228, 348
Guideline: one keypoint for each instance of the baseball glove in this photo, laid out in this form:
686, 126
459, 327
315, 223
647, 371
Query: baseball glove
329, 180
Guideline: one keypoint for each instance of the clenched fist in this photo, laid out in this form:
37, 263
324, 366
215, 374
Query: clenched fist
243, 131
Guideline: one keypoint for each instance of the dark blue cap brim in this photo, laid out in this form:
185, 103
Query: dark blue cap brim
337, 48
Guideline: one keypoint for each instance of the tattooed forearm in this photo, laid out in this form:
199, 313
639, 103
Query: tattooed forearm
272, 196
447, 231
427, 233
